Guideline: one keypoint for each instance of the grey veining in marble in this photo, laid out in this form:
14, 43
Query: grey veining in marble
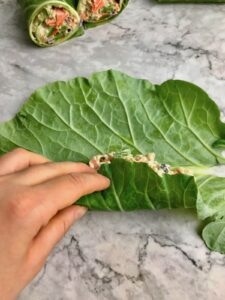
125, 256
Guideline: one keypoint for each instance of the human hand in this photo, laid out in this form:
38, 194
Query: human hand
35, 212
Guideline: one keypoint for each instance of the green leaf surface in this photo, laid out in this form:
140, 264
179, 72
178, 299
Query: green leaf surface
136, 186
219, 144
211, 197
112, 111
211, 206
214, 236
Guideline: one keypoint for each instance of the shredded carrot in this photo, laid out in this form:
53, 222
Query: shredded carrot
60, 15
98, 4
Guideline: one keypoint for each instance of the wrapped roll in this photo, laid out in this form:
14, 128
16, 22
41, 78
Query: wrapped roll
51, 22
191, 1
95, 12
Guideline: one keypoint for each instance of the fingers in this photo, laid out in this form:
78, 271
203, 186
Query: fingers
19, 159
60, 192
44, 172
50, 235
32, 207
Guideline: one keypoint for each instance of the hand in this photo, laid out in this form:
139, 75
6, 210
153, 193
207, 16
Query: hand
35, 212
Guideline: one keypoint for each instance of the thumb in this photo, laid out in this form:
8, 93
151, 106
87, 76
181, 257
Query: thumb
54, 231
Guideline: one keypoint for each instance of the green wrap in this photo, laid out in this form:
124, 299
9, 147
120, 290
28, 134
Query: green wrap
191, 1
33, 8
80, 5
40, 13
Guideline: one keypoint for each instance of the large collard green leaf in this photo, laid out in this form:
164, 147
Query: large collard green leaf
136, 186
112, 111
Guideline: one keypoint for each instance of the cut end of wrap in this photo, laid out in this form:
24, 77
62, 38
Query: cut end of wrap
97, 11
53, 23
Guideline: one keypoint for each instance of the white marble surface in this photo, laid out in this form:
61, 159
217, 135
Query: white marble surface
119, 256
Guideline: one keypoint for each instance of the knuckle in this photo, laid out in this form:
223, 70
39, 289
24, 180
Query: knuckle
76, 179
39, 215
58, 167
18, 205
82, 165
85, 168
20, 151
65, 226
61, 228
52, 166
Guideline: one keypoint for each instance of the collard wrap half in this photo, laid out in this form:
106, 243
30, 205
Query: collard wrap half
51, 22
191, 1
97, 12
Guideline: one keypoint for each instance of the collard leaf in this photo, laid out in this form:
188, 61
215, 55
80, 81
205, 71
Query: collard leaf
214, 235
211, 197
211, 206
136, 186
112, 111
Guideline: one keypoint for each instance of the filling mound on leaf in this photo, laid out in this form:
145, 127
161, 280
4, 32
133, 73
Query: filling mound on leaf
97, 161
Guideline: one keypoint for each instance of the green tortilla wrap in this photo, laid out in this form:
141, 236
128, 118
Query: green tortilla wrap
96, 12
51, 22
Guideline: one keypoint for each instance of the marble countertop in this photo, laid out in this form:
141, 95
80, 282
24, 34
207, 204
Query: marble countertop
125, 256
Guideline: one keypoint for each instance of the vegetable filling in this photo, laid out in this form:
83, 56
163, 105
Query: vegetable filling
97, 10
149, 159
54, 24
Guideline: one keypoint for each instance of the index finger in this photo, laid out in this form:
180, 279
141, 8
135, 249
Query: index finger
61, 192
19, 159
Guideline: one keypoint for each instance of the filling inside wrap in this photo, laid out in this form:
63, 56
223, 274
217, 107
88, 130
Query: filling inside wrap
149, 159
98, 10
53, 24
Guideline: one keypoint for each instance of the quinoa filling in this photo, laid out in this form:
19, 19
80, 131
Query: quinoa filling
97, 10
97, 161
54, 24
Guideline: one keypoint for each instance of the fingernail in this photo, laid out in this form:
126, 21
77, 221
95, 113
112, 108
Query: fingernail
107, 179
80, 211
